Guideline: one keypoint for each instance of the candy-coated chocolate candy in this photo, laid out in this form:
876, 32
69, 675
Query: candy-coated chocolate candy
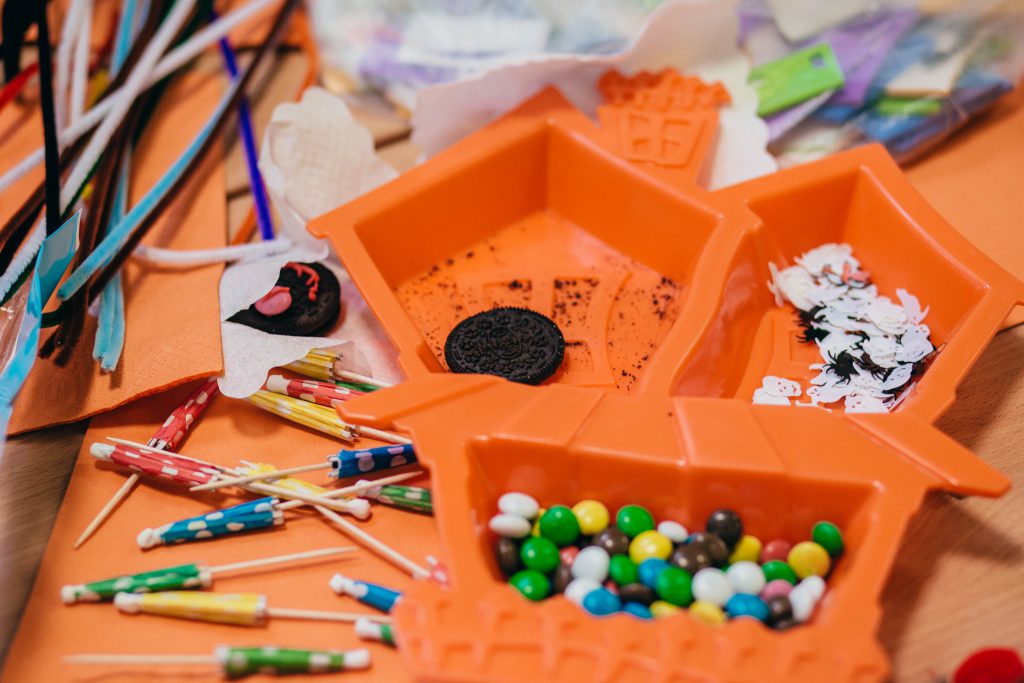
612, 586
637, 610
634, 520
691, 558
775, 589
601, 602
648, 571
539, 553
784, 625
725, 524
828, 536
591, 563
531, 583
622, 570
507, 552
802, 602
809, 559
535, 529
746, 577
747, 550
613, 540
779, 609
707, 612
777, 569
660, 608
649, 544
742, 605
510, 526
775, 550
568, 554
637, 592
717, 550
514, 503
578, 589
814, 584
591, 515
674, 531
560, 578
559, 524
675, 586
711, 585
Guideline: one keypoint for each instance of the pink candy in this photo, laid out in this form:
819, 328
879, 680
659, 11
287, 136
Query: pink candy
779, 588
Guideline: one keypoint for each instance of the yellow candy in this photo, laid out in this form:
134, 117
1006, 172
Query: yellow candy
809, 559
648, 544
747, 550
535, 531
707, 612
592, 516
660, 608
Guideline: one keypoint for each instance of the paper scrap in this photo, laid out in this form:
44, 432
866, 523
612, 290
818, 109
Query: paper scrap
693, 36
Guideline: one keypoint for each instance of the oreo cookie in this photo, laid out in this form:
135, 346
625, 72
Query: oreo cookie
306, 301
515, 343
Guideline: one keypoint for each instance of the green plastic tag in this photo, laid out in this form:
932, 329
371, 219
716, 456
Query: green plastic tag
796, 78
908, 106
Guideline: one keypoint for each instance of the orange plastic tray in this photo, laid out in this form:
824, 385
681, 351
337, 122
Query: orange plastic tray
672, 328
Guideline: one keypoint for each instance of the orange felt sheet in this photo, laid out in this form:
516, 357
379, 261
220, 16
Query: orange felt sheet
230, 430
974, 180
172, 316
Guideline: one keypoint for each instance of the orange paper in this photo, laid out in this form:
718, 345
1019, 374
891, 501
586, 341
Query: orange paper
229, 430
172, 316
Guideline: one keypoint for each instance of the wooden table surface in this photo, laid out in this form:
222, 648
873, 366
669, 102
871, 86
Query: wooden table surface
957, 584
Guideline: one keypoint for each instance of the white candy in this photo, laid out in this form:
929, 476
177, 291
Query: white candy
746, 577
815, 585
673, 531
591, 563
519, 504
803, 602
510, 526
579, 589
711, 585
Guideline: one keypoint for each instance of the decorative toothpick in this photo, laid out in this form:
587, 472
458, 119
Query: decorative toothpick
194, 575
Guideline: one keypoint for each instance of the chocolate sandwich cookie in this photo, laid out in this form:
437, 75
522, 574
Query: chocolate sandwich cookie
306, 301
515, 343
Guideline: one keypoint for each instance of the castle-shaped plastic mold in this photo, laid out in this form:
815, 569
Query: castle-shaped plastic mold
660, 289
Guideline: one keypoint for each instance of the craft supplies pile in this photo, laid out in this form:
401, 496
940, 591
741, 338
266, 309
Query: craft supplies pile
503, 406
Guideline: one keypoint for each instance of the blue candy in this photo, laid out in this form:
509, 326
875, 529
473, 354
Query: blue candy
638, 610
357, 463
602, 602
743, 605
649, 570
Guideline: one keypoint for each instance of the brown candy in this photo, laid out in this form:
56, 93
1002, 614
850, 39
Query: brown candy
613, 540
784, 625
637, 592
717, 550
779, 609
560, 579
507, 552
691, 558
727, 525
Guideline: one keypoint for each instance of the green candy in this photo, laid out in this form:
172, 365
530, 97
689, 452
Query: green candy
539, 553
828, 536
531, 583
559, 524
777, 569
633, 520
622, 570
674, 586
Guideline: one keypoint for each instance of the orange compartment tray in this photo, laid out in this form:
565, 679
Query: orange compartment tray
660, 289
